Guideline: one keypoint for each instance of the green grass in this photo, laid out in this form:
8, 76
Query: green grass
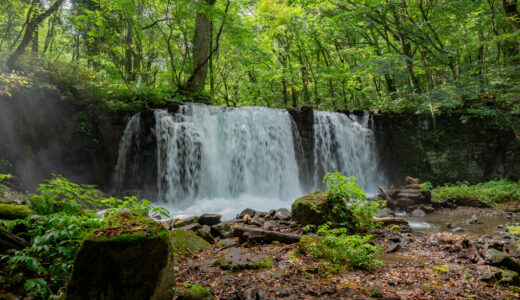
494, 193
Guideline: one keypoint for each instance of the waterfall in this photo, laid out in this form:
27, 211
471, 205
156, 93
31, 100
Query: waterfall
209, 152
127, 163
220, 159
345, 144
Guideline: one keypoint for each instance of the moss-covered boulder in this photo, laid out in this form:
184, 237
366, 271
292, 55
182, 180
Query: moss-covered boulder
14, 211
184, 243
194, 292
312, 209
130, 257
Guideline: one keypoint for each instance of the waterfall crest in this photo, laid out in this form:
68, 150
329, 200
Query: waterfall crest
127, 163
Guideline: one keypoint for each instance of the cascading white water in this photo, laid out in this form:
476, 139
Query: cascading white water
226, 158
130, 139
217, 159
345, 144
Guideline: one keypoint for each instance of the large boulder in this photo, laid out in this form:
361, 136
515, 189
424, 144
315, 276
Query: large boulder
14, 211
311, 209
130, 257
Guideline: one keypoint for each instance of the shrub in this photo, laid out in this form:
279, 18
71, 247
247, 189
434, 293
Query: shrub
492, 192
355, 251
348, 201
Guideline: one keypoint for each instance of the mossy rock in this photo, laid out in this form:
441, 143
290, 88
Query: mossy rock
185, 243
195, 292
310, 209
130, 257
237, 259
14, 211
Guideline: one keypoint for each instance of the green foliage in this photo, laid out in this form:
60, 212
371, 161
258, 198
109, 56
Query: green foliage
514, 230
2, 178
68, 215
356, 215
59, 195
492, 192
350, 203
43, 268
334, 246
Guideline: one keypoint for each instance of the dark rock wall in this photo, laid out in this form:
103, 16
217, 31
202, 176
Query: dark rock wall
41, 134
445, 149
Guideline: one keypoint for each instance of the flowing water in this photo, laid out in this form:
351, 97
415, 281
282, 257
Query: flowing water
127, 164
345, 144
219, 159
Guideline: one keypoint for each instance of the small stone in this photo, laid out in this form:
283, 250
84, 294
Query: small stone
192, 227
282, 214
475, 220
457, 229
450, 226
428, 208
270, 225
271, 213
393, 248
418, 213
509, 278
209, 219
187, 221
222, 229
247, 211
260, 214
261, 296
205, 233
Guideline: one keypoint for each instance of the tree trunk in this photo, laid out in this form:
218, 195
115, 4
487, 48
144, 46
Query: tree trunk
29, 31
512, 48
201, 49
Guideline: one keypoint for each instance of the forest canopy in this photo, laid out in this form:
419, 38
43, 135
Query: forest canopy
394, 55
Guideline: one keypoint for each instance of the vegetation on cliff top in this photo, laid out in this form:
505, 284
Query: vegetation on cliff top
408, 55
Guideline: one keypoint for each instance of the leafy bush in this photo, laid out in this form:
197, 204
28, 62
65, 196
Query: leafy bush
356, 214
43, 268
350, 203
59, 195
2, 178
355, 251
67, 209
492, 192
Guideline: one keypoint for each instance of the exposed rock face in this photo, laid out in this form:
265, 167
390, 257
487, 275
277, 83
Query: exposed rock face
133, 265
304, 119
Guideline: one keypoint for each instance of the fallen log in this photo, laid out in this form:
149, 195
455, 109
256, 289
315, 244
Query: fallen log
10, 241
265, 236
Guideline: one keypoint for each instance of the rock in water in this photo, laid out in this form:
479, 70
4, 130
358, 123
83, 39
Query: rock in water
209, 219
418, 213
136, 264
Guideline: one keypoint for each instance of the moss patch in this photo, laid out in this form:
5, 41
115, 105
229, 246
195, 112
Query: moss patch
237, 259
14, 211
186, 242
311, 208
195, 292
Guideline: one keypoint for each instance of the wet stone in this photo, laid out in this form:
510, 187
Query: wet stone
187, 221
282, 214
247, 211
210, 219
239, 259
192, 227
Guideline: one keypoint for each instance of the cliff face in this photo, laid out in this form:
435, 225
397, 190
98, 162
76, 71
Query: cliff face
41, 134
445, 149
